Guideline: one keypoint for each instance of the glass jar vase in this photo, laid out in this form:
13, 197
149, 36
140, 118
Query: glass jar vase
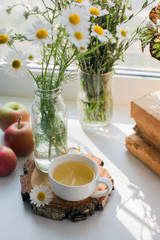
95, 101
49, 122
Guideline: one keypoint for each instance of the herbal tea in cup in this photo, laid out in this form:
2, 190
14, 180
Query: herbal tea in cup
73, 173
74, 177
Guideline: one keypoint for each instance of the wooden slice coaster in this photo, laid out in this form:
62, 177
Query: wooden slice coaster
59, 209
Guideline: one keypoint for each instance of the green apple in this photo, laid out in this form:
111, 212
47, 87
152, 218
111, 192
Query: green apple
10, 113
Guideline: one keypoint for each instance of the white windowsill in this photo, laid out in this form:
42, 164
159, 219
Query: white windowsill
131, 211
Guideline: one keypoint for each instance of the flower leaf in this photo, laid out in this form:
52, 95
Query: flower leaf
145, 4
146, 35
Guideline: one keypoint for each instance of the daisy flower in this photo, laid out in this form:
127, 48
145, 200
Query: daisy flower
40, 33
74, 16
40, 195
97, 11
79, 37
83, 48
16, 65
122, 32
4, 36
99, 32
78, 149
81, 2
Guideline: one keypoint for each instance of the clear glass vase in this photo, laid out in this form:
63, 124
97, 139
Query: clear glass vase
49, 122
95, 101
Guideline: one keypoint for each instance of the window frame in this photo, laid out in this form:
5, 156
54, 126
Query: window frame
127, 85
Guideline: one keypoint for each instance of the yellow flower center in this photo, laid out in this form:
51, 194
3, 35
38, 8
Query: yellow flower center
78, 1
78, 35
3, 38
82, 48
123, 33
41, 196
16, 63
41, 33
94, 11
74, 19
98, 30
30, 57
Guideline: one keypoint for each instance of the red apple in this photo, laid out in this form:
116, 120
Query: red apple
8, 161
10, 112
19, 138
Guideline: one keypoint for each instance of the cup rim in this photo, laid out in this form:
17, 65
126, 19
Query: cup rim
73, 154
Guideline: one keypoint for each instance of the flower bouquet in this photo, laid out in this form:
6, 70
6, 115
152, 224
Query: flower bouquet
93, 34
49, 116
102, 40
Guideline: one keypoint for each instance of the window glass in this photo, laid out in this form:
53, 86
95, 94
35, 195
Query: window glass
133, 58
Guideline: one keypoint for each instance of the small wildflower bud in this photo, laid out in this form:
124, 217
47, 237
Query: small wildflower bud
30, 57
130, 7
9, 10
35, 9
49, 45
10, 42
26, 14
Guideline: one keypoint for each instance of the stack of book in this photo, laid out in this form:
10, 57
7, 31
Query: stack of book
145, 142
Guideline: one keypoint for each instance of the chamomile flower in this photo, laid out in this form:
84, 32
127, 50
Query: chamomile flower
4, 36
79, 37
97, 11
81, 2
40, 33
16, 65
41, 195
98, 31
78, 149
74, 16
83, 48
122, 32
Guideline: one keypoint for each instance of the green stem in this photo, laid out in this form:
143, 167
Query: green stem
19, 122
140, 10
50, 149
46, 10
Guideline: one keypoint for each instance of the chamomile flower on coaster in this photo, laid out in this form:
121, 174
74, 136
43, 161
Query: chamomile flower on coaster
74, 16
79, 37
97, 11
41, 195
4, 36
16, 64
78, 149
122, 32
98, 31
40, 33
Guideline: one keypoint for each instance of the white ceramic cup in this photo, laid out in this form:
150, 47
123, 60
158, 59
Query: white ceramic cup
78, 193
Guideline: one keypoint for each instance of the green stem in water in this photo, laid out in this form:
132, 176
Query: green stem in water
50, 149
